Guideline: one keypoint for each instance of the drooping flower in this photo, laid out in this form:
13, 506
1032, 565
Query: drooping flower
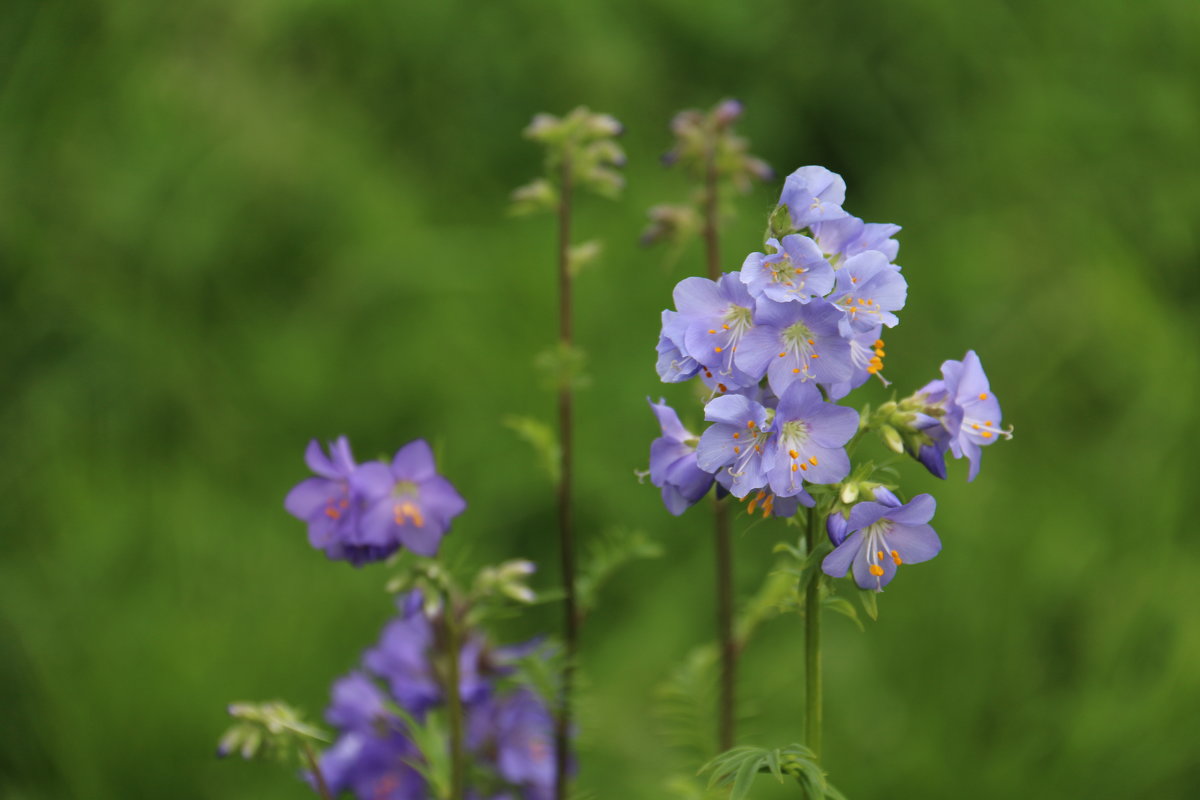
969, 393
718, 315
795, 271
673, 465
810, 439
674, 365
869, 290
410, 504
813, 194
332, 507
738, 443
958, 413
794, 343
879, 537
866, 359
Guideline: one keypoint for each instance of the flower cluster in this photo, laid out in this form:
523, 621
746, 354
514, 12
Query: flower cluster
776, 343
365, 512
509, 730
800, 322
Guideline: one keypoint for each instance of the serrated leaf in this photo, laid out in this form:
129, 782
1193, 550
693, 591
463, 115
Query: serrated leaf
747, 772
773, 765
542, 439
606, 555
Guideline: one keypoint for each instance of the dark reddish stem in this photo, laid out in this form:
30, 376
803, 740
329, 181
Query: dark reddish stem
562, 734
722, 538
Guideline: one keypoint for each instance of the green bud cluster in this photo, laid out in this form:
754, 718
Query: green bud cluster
580, 147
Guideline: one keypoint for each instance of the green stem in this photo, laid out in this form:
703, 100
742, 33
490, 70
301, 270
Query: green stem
454, 706
812, 645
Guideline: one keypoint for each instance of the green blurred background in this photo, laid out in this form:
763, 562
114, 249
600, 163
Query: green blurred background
226, 228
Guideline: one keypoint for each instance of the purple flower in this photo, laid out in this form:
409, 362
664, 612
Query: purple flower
674, 365
869, 289
881, 538
813, 194
410, 504
718, 315
737, 444
375, 765
793, 343
970, 403
372, 757
810, 439
795, 271
840, 239
405, 654
515, 733
331, 506
673, 462
866, 359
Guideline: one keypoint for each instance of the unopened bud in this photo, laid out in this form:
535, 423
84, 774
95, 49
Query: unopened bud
849, 492
726, 112
891, 438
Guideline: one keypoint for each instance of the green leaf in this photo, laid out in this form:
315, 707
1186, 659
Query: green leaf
744, 779
542, 439
605, 556
869, 602
844, 607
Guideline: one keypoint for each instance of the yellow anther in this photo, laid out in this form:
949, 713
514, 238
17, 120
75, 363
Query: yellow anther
879, 342
815, 355
737, 435
896, 558
852, 308
718, 349
795, 370
986, 434
753, 504
879, 554
793, 454
726, 327
712, 330
750, 423
989, 423
722, 388
333, 513
871, 370
737, 449
768, 505
758, 448
812, 460
810, 341
803, 466
875, 570
983, 395
781, 355
880, 352
854, 280
976, 427
799, 271
795, 467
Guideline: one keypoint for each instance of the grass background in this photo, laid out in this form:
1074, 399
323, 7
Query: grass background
227, 227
